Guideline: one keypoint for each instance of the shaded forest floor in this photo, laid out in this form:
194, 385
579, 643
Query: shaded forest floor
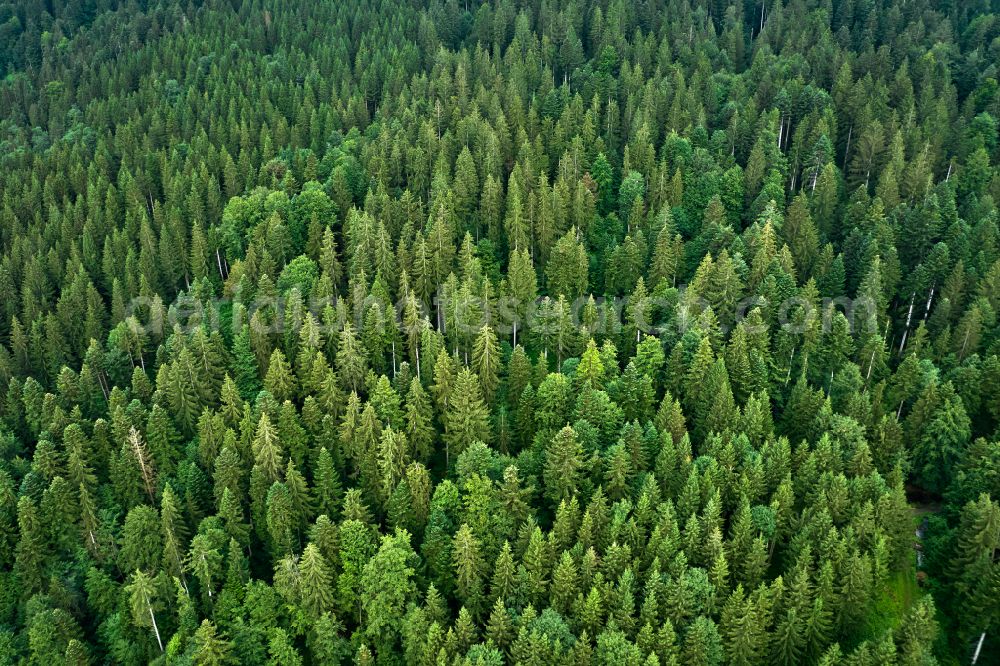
904, 588
897, 596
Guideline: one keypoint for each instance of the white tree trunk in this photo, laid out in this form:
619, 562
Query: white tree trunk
979, 647
156, 629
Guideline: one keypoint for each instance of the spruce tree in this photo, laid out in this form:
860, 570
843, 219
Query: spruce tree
467, 418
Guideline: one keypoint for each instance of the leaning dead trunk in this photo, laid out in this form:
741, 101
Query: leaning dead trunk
156, 630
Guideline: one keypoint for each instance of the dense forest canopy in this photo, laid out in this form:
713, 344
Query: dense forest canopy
541, 332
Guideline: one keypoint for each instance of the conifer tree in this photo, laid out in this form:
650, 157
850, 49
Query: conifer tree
143, 602
563, 463
468, 567
351, 359
204, 560
419, 415
174, 533
266, 449
315, 582
567, 268
486, 362
467, 419
327, 484
244, 364
279, 380
211, 647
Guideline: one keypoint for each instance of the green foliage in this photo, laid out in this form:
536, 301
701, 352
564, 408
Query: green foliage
300, 273
498, 333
